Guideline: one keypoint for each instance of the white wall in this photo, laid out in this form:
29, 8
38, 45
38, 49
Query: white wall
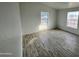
30, 16
10, 30
62, 20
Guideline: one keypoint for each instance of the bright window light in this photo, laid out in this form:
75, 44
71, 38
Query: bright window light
72, 19
44, 21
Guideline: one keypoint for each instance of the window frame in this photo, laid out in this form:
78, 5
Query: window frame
43, 21
73, 21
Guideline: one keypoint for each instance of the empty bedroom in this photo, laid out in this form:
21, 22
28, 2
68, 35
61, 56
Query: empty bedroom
39, 29
50, 29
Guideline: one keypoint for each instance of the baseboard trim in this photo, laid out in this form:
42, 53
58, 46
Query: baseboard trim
68, 31
38, 31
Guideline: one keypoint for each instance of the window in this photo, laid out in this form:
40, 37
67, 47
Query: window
44, 18
44, 21
72, 19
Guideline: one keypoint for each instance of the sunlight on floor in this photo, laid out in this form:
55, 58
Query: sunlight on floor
42, 27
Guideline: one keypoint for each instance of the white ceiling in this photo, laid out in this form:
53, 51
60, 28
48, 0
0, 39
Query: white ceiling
62, 5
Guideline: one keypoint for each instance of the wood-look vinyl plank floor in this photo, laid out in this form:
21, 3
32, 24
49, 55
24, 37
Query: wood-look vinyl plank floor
51, 44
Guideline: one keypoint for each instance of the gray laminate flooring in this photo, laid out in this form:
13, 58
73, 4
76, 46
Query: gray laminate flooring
52, 43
